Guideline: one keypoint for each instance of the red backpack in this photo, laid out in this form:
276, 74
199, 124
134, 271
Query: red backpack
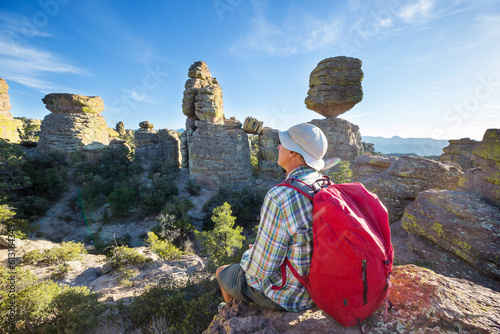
352, 256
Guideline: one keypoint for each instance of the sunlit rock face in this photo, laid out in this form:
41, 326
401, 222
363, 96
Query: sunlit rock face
335, 86
8, 125
73, 123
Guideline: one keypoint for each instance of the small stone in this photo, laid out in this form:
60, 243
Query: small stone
252, 126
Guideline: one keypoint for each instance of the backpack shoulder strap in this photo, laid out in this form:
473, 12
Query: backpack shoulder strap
299, 185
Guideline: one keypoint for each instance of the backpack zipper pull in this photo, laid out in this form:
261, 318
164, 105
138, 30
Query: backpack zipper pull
365, 282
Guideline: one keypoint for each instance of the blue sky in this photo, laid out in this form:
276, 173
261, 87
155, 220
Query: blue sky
431, 67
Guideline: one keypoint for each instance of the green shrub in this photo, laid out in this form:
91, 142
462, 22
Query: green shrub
163, 188
67, 251
164, 249
45, 306
122, 256
121, 199
188, 309
125, 276
193, 188
221, 243
245, 204
179, 208
342, 173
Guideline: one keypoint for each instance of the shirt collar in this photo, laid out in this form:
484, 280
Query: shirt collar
300, 171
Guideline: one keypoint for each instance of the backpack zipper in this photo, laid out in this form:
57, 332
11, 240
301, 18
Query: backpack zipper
365, 282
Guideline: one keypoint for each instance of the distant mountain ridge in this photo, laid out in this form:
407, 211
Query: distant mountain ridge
418, 146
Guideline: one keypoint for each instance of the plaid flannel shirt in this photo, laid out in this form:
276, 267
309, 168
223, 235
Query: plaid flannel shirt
285, 230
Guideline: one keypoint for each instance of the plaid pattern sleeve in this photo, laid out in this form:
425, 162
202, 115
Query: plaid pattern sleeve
285, 230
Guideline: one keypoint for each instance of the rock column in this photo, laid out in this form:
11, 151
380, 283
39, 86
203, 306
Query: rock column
74, 122
8, 125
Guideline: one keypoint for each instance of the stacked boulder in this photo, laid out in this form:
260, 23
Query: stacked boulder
8, 125
163, 145
334, 88
74, 122
459, 151
216, 150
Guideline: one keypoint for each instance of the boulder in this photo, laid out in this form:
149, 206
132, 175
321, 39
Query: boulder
252, 126
398, 185
146, 125
423, 302
62, 103
120, 128
219, 154
459, 151
485, 179
8, 125
460, 223
203, 95
335, 86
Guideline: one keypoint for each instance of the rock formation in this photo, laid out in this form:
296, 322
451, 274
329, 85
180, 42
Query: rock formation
268, 154
460, 223
8, 125
73, 123
120, 128
459, 151
252, 126
423, 302
344, 139
485, 179
219, 154
203, 95
398, 181
335, 86
214, 149
164, 145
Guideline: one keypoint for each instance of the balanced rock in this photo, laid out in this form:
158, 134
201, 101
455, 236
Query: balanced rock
8, 125
459, 151
145, 125
73, 124
485, 179
460, 223
120, 128
203, 95
252, 126
423, 302
62, 103
335, 86
398, 184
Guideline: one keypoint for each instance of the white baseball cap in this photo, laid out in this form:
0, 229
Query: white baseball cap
307, 140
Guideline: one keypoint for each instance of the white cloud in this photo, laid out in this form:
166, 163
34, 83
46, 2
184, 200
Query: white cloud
138, 96
303, 35
416, 11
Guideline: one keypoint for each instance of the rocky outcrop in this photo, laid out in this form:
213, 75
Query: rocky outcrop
8, 125
398, 184
252, 126
460, 223
164, 145
485, 179
423, 302
344, 139
214, 149
203, 95
335, 86
268, 154
63, 103
459, 152
219, 154
73, 123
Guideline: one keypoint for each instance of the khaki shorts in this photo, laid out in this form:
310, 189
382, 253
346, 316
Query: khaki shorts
232, 279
